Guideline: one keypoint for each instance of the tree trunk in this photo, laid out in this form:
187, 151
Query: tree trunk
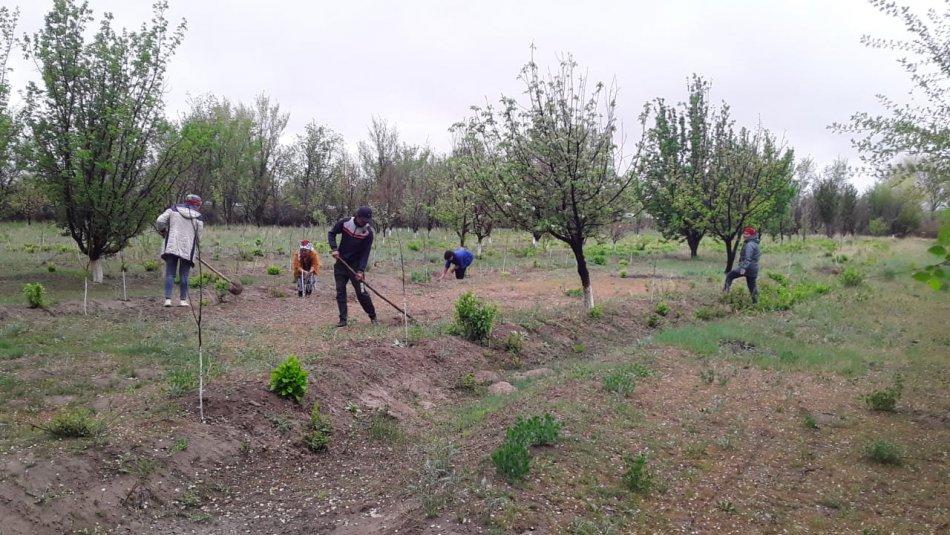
462, 236
731, 249
95, 268
578, 249
692, 239
478, 248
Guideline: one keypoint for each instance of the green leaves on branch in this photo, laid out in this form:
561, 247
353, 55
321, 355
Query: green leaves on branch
289, 379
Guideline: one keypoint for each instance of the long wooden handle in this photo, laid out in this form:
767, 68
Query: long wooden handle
381, 296
218, 273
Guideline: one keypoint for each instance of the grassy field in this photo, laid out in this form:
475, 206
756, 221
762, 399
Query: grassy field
682, 409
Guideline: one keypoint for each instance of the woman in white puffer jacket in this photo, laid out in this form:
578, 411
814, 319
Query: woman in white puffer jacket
182, 226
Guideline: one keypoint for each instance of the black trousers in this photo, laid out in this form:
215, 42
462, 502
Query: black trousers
750, 280
341, 276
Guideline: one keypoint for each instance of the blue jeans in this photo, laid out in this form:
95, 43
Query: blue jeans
173, 263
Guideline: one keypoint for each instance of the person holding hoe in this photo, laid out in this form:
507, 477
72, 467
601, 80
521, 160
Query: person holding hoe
351, 256
181, 226
305, 265
748, 266
457, 261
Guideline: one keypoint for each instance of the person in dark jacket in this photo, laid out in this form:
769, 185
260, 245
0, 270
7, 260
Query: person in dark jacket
748, 266
457, 261
353, 249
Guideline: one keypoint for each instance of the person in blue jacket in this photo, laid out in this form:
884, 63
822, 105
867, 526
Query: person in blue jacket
457, 261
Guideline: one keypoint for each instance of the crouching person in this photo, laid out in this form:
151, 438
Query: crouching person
181, 226
748, 266
305, 265
457, 261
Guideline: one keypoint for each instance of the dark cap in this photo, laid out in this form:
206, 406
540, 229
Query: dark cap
365, 212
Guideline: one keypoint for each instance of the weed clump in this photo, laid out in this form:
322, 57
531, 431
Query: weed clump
289, 379
318, 438
150, 265
35, 295
419, 277
273, 270
514, 342
852, 277
708, 313
662, 309
884, 452
474, 318
596, 312
74, 423
623, 273
654, 321
637, 477
619, 382
885, 400
512, 460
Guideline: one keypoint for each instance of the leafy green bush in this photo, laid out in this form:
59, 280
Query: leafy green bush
662, 309
289, 379
150, 265
468, 383
273, 270
535, 431
257, 252
654, 321
318, 438
886, 399
851, 277
221, 288
474, 318
884, 452
512, 460
879, 227
596, 312
599, 259
35, 295
514, 342
205, 280
74, 423
623, 273
637, 477
414, 245
623, 262
419, 277
619, 382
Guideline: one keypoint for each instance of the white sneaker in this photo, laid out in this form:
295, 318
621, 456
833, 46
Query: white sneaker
168, 303
183, 303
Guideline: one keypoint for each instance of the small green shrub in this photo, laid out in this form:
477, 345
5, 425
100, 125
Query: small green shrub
35, 295
245, 254
619, 382
514, 342
884, 452
623, 262
273, 270
414, 245
574, 292
257, 252
203, 280
74, 423
623, 273
852, 277
468, 383
51, 268
221, 288
289, 379
181, 381
578, 348
809, 421
708, 313
599, 259
535, 431
474, 318
419, 277
662, 309
886, 399
637, 477
512, 460
654, 321
318, 438
596, 312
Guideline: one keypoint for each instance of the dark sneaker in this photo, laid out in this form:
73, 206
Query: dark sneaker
299, 293
341, 323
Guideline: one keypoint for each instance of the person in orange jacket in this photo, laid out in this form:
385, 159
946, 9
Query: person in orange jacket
305, 265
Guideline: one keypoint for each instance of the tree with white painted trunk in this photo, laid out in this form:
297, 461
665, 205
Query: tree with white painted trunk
556, 167
102, 147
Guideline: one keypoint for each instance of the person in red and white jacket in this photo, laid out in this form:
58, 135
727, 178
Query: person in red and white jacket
354, 248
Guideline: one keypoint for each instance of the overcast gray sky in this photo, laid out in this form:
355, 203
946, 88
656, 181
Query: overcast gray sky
796, 65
